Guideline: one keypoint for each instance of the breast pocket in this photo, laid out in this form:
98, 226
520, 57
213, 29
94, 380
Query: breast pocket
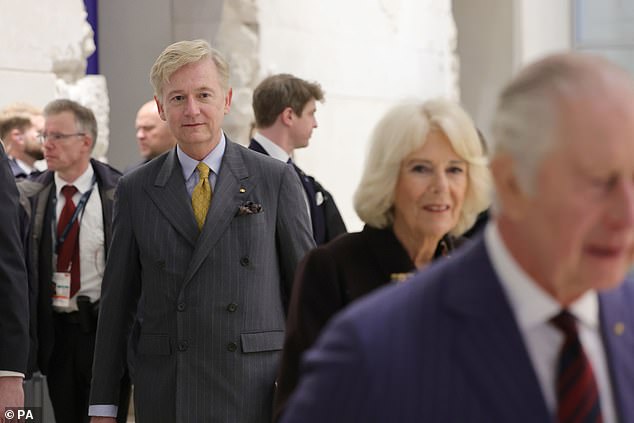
262, 341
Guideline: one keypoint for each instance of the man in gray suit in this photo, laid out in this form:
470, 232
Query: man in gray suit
14, 313
206, 239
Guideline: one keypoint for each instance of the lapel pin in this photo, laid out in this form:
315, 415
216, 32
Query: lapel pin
243, 190
619, 328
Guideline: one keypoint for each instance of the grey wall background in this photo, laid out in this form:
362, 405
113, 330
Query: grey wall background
486, 53
140, 30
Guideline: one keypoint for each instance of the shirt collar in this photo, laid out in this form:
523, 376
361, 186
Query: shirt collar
531, 304
83, 183
273, 149
28, 169
213, 159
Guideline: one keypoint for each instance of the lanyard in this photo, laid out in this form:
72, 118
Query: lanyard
80, 206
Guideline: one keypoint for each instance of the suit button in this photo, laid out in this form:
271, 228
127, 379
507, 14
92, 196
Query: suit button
183, 345
180, 307
244, 261
232, 346
232, 307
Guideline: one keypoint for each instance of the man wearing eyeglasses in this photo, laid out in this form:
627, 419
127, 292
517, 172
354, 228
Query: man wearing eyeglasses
70, 207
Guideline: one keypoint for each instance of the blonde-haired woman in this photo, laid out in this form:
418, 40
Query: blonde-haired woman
425, 181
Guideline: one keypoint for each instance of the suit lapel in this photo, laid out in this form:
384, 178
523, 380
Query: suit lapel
618, 337
489, 346
171, 198
232, 188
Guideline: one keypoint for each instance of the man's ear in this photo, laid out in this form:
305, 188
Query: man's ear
509, 192
228, 100
287, 116
89, 142
160, 108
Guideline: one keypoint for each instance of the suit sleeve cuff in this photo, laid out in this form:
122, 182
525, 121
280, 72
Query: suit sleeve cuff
4, 373
103, 410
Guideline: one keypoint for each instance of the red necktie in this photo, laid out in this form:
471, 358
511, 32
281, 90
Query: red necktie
577, 392
68, 253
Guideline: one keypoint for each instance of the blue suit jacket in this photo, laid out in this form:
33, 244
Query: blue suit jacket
445, 347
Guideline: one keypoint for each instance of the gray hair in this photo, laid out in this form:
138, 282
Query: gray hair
84, 117
401, 131
183, 53
525, 122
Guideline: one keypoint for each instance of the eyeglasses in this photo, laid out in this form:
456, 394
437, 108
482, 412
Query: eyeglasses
56, 137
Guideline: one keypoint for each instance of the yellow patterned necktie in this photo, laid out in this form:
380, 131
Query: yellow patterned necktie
201, 197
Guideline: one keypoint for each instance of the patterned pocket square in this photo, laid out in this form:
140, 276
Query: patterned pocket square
249, 207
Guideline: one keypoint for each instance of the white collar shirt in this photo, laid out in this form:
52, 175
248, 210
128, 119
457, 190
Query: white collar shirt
533, 308
92, 253
271, 148
278, 153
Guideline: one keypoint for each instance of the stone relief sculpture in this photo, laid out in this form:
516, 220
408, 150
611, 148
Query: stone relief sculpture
238, 39
92, 92
69, 61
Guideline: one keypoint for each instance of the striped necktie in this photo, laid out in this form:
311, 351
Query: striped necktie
577, 392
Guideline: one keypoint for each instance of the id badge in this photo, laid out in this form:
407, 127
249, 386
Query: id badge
61, 281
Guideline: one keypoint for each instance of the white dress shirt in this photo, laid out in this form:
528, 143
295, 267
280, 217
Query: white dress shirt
271, 148
92, 253
533, 308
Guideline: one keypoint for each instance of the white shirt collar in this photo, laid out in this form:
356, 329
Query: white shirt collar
83, 183
213, 159
531, 304
28, 169
271, 148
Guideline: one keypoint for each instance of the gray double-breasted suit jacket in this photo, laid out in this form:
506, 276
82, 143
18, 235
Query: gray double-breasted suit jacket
207, 333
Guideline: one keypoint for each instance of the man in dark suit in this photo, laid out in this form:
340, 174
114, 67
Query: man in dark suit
20, 135
70, 210
284, 108
207, 237
14, 312
532, 322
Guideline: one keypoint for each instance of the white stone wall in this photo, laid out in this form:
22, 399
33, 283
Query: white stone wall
496, 38
545, 28
238, 39
44, 47
366, 54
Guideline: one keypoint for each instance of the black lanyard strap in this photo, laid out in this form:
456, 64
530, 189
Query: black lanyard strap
80, 206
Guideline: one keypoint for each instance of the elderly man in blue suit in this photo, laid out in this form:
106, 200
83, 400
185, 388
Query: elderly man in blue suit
531, 323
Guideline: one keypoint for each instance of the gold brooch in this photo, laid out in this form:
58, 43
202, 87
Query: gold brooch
400, 277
